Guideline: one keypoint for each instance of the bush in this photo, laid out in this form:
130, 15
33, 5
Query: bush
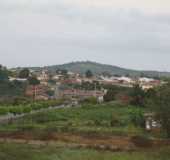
36, 106
4, 110
110, 95
97, 122
90, 100
115, 121
27, 109
137, 96
16, 110
20, 100
141, 141
137, 117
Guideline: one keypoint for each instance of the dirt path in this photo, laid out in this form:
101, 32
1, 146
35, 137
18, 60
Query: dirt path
112, 143
73, 141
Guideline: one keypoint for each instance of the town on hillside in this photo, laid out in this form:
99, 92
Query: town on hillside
66, 84
103, 111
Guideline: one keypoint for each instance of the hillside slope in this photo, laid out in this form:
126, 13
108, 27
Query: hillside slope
97, 68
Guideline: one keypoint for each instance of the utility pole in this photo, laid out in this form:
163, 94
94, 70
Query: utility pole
95, 90
35, 92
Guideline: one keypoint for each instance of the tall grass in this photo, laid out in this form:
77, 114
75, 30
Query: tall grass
11, 151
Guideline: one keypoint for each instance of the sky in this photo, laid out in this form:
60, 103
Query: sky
128, 33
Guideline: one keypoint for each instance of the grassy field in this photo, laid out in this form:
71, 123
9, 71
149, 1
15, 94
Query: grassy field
103, 119
28, 152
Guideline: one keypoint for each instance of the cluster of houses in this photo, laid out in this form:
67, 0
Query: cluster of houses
145, 83
82, 94
41, 91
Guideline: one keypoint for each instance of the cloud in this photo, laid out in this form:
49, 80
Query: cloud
147, 5
58, 31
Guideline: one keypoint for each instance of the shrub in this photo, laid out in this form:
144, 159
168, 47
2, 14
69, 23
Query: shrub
137, 117
97, 122
20, 100
16, 110
36, 106
137, 96
27, 109
115, 121
4, 110
110, 95
90, 100
41, 117
141, 141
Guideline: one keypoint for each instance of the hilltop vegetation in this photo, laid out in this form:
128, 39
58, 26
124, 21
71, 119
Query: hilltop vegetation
97, 68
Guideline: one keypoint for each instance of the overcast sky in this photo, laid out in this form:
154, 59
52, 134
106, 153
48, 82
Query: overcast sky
127, 33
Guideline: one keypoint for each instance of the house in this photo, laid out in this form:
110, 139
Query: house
119, 81
37, 92
82, 94
148, 83
72, 81
43, 76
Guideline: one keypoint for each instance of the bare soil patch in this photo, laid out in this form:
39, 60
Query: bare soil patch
113, 143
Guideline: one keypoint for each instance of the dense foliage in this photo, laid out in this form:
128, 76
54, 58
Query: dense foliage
3, 75
24, 73
33, 80
89, 74
114, 92
97, 68
137, 95
161, 106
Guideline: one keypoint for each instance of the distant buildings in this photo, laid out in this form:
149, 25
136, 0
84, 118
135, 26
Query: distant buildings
145, 83
17, 79
81, 94
72, 81
53, 80
37, 92
43, 77
148, 83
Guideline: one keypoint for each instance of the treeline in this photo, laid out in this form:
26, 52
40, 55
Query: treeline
155, 101
10, 90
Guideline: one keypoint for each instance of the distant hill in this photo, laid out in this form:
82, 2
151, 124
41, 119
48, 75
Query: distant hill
97, 68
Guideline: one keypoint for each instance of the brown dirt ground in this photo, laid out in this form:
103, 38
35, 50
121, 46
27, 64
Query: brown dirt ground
114, 143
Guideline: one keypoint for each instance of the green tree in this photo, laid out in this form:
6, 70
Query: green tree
3, 75
161, 106
136, 116
137, 96
89, 74
24, 73
33, 81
